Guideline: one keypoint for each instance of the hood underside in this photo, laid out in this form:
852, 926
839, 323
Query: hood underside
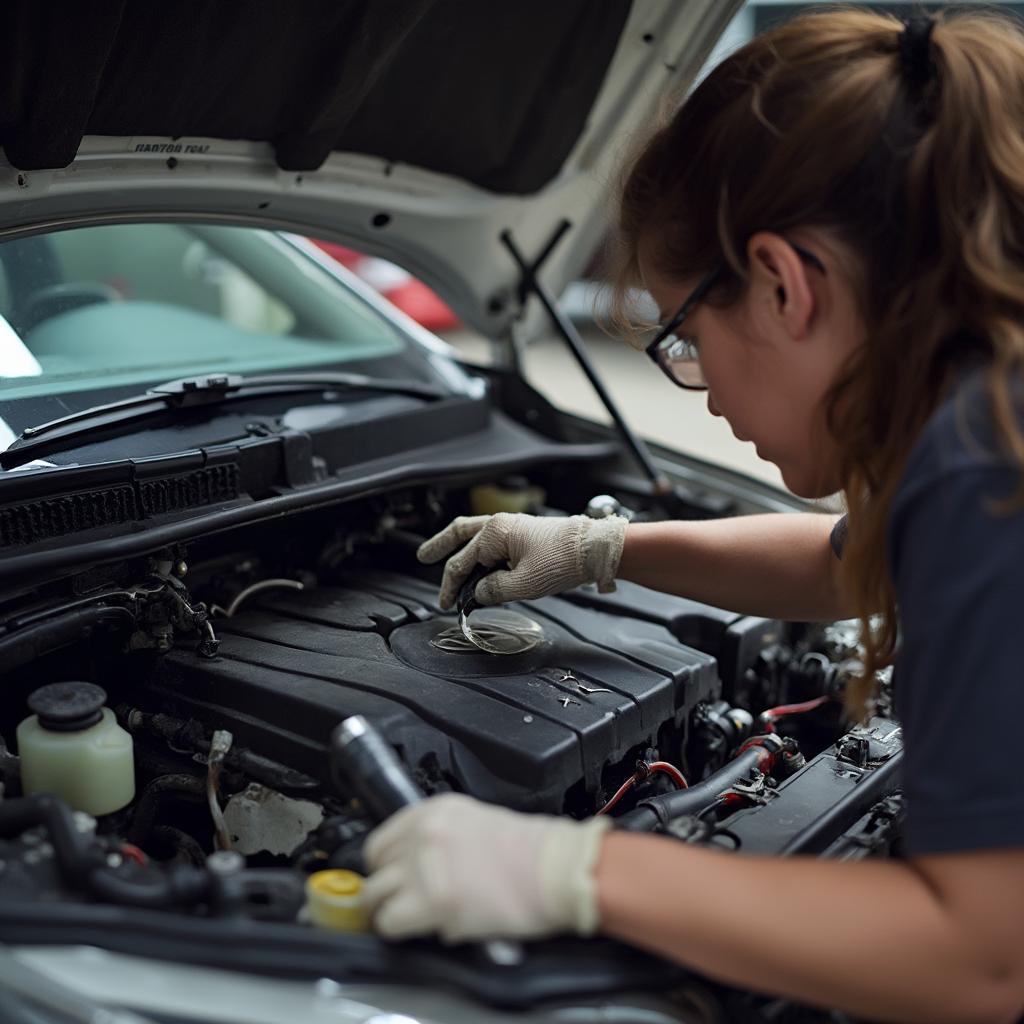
418, 130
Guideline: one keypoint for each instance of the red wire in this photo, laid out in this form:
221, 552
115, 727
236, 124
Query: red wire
670, 770
769, 716
619, 794
132, 852
642, 773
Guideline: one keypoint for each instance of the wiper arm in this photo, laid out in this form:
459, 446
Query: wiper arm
190, 392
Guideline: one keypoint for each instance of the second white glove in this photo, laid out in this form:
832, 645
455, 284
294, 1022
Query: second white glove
469, 870
544, 554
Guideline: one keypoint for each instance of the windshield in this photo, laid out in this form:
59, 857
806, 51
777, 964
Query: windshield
130, 303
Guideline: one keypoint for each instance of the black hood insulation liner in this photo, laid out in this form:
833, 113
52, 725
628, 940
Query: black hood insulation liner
496, 94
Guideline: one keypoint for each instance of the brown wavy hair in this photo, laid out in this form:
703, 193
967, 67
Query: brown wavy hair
917, 167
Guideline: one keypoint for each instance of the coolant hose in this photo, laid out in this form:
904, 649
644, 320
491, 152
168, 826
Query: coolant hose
657, 811
162, 786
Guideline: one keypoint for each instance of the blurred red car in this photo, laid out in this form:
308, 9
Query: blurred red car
398, 286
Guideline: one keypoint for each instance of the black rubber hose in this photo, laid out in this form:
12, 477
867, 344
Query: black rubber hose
176, 886
658, 810
82, 861
25, 645
183, 845
74, 850
179, 732
160, 788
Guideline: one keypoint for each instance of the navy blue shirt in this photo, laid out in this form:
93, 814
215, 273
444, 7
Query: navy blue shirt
957, 562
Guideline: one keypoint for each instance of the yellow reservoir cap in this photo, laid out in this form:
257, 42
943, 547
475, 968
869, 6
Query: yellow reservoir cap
334, 900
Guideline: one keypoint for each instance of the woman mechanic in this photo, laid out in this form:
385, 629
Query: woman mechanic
832, 226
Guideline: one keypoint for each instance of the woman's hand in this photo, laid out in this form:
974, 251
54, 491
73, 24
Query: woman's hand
544, 555
469, 870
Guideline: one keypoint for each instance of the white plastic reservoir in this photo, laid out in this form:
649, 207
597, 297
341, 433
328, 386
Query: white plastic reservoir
73, 747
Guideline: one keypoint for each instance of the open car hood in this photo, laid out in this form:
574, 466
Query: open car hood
417, 130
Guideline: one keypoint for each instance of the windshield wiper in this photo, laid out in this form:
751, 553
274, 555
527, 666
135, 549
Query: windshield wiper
191, 392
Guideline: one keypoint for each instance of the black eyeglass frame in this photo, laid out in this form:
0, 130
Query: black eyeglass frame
698, 295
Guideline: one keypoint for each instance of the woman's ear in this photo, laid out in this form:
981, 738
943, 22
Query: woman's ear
782, 300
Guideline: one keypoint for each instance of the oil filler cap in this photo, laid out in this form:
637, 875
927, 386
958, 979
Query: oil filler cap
68, 707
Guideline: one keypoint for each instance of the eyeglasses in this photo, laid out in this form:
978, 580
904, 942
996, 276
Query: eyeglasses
676, 355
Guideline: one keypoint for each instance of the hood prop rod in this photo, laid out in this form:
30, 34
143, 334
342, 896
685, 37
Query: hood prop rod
530, 283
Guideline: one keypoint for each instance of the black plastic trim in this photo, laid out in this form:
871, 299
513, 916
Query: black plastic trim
558, 969
513, 448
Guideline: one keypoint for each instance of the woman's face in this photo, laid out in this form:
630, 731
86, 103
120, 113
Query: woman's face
770, 359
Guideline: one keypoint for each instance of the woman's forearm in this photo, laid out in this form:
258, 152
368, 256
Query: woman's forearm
779, 566
885, 942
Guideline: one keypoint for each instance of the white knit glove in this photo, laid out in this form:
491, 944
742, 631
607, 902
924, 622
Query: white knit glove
470, 870
545, 554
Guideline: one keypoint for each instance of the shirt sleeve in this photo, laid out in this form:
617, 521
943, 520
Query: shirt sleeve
837, 538
958, 564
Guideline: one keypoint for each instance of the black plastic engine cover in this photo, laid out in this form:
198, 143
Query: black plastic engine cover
506, 728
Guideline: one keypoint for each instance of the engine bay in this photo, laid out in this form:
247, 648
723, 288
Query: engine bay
534, 731
229, 662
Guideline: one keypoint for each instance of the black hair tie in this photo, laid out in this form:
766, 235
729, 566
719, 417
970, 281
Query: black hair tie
915, 42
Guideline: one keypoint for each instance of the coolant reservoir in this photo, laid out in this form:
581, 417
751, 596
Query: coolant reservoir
514, 494
73, 747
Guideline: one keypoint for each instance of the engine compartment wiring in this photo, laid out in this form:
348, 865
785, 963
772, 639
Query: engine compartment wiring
772, 715
644, 770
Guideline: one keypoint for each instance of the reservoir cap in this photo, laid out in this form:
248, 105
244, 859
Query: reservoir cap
68, 707
334, 900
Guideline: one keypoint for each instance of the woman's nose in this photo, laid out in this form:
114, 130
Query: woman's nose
712, 408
